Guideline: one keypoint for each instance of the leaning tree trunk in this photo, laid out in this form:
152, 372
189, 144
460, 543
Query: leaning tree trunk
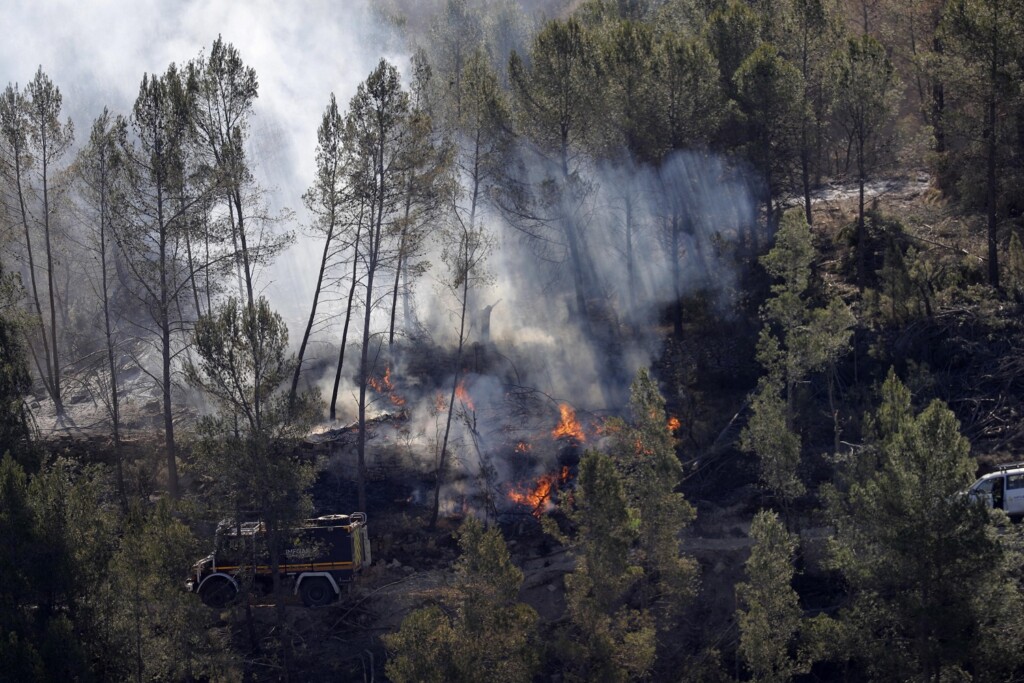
348, 319
312, 315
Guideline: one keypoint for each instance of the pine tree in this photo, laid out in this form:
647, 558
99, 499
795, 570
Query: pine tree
798, 339
484, 632
924, 564
770, 613
644, 451
605, 639
866, 87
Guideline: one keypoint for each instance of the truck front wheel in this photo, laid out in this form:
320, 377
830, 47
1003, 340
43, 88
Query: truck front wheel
217, 592
316, 592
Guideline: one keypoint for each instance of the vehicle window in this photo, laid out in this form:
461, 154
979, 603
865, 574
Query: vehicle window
1015, 481
985, 486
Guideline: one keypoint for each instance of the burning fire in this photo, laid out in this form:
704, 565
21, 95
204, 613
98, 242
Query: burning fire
674, 424
463, 395
538, 498
384, 385
568, 426
523, 447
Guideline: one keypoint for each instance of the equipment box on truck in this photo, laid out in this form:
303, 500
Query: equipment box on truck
318, 558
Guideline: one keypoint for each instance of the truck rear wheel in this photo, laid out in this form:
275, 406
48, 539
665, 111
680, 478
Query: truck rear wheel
217, 592
316, 592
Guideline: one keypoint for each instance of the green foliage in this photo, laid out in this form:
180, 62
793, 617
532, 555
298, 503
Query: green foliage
732, 34
15, 382
155, 630
777, 447
691, 104
644, 452
1014, 269
606, 639
770, 93
556, 101
481, 632
923, 562
83, 598
980, 67
423, 649
628, 64
770, 612
798, 339
866, 90
246, 449
242, 361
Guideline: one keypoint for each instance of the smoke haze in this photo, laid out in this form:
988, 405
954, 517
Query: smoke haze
97, 53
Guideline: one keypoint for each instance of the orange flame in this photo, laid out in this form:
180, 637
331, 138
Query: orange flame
563, 478
463, 395
523, 447
384, 385
674, 424
568, 426
538, 497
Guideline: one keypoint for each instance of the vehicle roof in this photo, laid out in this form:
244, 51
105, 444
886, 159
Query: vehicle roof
1016, 469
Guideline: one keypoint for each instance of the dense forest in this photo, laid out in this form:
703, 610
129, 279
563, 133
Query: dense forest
657, 340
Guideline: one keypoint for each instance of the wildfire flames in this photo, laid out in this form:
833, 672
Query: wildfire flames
384, 385
568, 427
463, 395
674, 424
523, 447
537, 497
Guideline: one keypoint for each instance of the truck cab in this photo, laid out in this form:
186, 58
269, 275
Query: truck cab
319, 557
1002, 489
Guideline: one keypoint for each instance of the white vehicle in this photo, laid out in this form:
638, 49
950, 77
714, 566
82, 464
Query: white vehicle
1002, 489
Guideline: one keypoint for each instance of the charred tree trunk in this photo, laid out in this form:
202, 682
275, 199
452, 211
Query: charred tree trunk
312, 315
55, 379
372, 261
677, 276
862, 235
165, 349
115, 413
236, 197
399, 265
46, 370
348, 319
991, 181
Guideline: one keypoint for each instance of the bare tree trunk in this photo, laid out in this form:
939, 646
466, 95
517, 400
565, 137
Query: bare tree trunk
677, 287
165, 348
630, 257
862, 237
348, 319
46, 375
312, 313
991, 185
372, 261
236, 196
115, 414
58, 403
402, 257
